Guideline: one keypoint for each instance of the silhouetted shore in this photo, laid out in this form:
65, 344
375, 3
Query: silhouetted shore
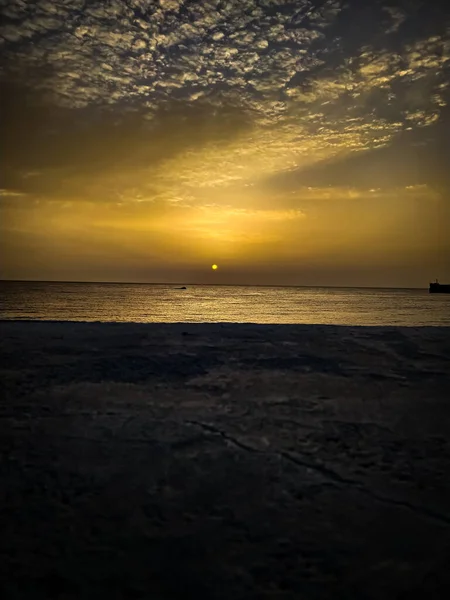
224, 461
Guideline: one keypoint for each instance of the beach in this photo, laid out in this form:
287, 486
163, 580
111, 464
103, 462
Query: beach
224, 461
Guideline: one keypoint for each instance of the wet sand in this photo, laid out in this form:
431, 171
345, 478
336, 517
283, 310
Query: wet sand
224, 461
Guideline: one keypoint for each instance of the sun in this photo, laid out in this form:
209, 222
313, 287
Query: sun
214, 267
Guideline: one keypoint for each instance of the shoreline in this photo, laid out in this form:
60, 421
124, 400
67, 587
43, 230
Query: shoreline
221, 460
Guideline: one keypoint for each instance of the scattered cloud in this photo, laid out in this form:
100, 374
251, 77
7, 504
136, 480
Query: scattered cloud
283, 68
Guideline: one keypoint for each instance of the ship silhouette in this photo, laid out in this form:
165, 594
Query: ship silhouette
439, 288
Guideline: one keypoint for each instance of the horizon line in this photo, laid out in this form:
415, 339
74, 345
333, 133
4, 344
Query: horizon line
373, 287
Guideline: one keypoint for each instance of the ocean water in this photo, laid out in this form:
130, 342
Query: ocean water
148, 303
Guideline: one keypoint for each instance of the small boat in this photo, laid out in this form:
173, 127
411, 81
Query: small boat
181, 288
439, 288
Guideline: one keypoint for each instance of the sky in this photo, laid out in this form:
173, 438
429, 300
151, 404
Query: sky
289, 142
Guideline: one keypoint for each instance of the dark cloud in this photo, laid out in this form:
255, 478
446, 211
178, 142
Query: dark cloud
67, 147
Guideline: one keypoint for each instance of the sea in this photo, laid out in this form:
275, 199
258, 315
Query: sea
158, 303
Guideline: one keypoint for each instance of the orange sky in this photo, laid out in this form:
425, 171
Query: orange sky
251, 146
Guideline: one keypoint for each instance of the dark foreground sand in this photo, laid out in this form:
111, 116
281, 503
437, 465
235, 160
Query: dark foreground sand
224, 462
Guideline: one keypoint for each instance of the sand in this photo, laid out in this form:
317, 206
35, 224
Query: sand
224, 461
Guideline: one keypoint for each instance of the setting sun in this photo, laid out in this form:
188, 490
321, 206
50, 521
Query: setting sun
292, 156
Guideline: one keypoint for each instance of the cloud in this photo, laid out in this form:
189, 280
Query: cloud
167, 100
5, 193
